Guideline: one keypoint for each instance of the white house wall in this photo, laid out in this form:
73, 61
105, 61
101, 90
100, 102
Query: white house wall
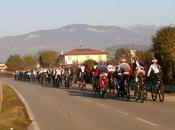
81, 58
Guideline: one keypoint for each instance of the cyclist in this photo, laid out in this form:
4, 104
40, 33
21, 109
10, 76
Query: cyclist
95, 77
81, 73
154, 70
103, 72
102, 69
123, 68
139, 69
111, 70
95, 74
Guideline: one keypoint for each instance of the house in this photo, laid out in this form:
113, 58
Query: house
3, 67
79, 55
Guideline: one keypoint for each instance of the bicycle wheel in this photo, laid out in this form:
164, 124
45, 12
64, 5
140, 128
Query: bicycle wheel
79, 84
128, 93
127, 90
154, 94
103, 92
84, 85
141, 95
117, 91
145, 93
136, 92
161, 93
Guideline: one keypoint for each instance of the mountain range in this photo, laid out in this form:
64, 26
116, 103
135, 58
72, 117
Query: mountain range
76, 35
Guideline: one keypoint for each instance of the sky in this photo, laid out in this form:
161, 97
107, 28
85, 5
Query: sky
24, 16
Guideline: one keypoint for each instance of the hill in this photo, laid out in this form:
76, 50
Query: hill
72, 36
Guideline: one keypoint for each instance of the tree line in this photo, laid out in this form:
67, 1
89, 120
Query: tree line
45, 58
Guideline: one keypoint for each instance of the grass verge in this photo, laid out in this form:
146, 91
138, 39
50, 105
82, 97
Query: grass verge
13, 114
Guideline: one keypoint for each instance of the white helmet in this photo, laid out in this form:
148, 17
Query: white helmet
123, 60
154, 60
95, 66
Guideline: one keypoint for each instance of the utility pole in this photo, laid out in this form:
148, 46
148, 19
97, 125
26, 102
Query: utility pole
80, 43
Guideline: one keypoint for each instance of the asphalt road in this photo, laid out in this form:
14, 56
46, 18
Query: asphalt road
73, 109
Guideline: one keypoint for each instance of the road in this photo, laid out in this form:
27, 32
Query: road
73, 109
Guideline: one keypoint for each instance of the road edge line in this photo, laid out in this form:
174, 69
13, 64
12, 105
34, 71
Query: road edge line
34, 122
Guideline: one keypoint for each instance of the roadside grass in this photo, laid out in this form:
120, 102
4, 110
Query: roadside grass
13, 114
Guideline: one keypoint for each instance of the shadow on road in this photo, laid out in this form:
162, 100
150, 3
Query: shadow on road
76, 91
91, 94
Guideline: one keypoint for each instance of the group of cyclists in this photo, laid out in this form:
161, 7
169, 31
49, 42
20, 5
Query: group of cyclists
121, 78
105, 77
54, 77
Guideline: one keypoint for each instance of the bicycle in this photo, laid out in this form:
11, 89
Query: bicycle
82, 84
140, 92
158, 90
126, 86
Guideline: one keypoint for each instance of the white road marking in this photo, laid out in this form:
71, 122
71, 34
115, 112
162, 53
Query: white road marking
102, 105
147, 122
124, 113
87, 100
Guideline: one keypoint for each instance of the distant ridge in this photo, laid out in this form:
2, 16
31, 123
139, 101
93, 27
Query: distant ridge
72, 36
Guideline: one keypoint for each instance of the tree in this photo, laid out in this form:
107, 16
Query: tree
123, 53
164, 50
48, 58
14, 62
89, 64
29, 62
145, 56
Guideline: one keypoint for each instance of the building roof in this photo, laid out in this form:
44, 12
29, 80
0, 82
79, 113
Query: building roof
85, 51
